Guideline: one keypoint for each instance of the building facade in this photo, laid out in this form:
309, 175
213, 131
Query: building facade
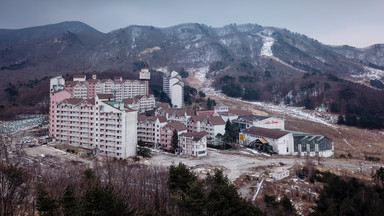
247, 121
97, 124
174, 88
193, 143
148, 128
166, 133
80, 87
288, 142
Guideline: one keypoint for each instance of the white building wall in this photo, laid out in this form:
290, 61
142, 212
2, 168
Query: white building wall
56, 84
283, 145
193, 148
177, 96
130, 133
218, 129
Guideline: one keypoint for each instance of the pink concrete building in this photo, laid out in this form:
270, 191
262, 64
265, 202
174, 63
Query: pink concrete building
82, 116
148, 128
213, 125
166, 133
99, 124
55, 98
80, 87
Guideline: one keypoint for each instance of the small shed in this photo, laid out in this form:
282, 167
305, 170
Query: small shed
281, 174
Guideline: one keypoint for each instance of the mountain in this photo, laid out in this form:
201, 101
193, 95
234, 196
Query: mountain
74, 47
9, 37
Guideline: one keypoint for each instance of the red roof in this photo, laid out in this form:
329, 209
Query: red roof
197, 118
162, 119
79, 76
216, 120
177, 125
74, 100
195, 135
265, 132
162, 105
206, 112
141, 117
105, 96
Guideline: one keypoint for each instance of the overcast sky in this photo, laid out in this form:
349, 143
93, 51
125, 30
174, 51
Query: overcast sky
335, 22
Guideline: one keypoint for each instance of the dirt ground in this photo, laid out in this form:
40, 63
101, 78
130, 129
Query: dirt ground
360, 143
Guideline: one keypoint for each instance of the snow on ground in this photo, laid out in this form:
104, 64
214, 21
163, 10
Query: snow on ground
297, 112
200, 73
371, 73
257, 153
268, 42
266, 49
15, 126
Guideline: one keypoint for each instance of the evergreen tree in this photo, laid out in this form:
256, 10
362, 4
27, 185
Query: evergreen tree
175, 140
180, 177
45, 204
379, 175
69, 202
202, 94
103, 200
209, 104
231, 132
340, 119
143, 150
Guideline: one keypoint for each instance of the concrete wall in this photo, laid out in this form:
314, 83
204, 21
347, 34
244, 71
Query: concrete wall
55, 98
130, 133
177, 96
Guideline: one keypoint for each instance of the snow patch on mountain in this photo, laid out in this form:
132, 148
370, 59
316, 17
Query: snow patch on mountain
266, 49
371, 73
201, 73
296, 112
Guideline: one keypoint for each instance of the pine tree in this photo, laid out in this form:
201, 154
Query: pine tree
209, 104
143, 150
46, 205
340, 119
175, 140
69, 202
103, 200
180, 177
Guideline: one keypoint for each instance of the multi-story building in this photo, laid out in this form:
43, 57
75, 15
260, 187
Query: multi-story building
80, 87
287, 142
193, 143
174, 88
148, 128
175, 114
99, 124
194, 123
90, 113
141, 103
247, 121
166, 133
56, 96
213, 125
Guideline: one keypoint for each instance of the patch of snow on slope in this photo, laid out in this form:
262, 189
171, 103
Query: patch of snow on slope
299, 112
371, 73
268, 42
266, 49
200, 74
296, 112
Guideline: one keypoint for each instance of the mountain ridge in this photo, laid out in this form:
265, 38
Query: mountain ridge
73, 47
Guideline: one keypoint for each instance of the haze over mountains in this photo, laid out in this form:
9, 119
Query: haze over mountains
74, 47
